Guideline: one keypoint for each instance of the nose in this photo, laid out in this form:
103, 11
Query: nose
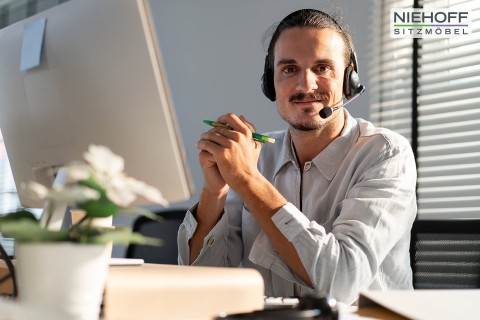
307, 81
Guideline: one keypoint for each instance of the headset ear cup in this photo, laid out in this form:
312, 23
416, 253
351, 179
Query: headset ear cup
268, 87
346, 82
351, 83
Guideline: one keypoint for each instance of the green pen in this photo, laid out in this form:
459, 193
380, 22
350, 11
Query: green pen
256, 136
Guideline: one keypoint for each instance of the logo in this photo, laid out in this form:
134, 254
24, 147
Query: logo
425, 23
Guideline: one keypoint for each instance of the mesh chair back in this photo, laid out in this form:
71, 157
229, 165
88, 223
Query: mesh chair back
166, 230
446, 254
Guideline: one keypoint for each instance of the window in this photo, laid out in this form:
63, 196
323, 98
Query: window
427, 90
391, 73
8, 193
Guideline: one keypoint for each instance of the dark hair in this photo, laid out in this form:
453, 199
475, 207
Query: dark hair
310, 18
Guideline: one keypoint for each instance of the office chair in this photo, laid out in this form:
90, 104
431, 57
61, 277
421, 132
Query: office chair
9, 275
445, 254
166, 230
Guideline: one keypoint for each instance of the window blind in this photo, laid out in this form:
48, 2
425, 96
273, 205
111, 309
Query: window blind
390, 72
444, 90
448, 155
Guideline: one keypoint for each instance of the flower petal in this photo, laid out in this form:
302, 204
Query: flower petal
34, 191
75, 172
73, 194
103, 159
121, 197
148, 192
154, 195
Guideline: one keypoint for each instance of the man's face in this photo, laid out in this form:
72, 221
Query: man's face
308, 75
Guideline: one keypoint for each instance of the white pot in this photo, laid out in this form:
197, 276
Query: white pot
65, 278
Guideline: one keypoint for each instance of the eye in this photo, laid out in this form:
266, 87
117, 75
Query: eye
289, 69
322, 69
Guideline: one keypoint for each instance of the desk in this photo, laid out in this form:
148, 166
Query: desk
136, 292
153, 291
175, 292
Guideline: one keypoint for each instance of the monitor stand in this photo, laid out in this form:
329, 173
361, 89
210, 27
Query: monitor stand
52, 216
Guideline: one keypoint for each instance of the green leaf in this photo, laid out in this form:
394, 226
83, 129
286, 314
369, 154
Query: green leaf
102, 207
31, 231
99, 208
124, 236
21, 214
92, 183
143, 212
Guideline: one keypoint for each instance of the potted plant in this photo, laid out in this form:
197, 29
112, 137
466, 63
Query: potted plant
65, 270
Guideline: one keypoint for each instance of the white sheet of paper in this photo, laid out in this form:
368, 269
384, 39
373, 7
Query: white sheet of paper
32, 44
425, 304
126, 262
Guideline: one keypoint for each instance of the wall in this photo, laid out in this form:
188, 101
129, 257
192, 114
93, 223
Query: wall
214, 55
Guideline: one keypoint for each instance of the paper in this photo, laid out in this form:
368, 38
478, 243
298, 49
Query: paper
126, 262
33, 34
426, 304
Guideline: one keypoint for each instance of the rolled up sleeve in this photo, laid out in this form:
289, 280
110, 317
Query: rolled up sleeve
213, 252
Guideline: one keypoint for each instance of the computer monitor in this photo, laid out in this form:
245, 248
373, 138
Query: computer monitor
99, 79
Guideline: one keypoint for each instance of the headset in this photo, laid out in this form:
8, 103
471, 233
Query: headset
351, 81
309, 307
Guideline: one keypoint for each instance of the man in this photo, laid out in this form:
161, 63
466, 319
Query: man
329, 206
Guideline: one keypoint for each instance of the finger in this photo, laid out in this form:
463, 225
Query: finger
207, 145
206, 158
216, 145
247, 123
219, 136
234, 122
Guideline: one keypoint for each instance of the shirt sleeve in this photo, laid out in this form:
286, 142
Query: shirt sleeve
223, 246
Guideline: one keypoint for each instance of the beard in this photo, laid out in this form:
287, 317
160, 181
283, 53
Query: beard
310, 124
305, 126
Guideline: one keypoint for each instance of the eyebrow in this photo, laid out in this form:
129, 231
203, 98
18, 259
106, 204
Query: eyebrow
293, 61
286, 61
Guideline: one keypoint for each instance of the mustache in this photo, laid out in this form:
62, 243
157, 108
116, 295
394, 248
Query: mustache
309, 96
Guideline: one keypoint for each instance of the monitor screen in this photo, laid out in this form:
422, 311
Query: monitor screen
89, 72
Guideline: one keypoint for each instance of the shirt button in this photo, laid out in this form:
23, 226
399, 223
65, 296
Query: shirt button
211, 241
307, 166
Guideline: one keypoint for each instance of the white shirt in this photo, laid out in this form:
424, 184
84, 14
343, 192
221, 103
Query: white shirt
350, 224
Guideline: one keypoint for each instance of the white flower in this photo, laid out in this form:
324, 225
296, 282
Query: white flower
73, 194
119, 192
34, 191
77, 172
103, 160
147, 191
120, 189
106, 168
123, 190
61, 195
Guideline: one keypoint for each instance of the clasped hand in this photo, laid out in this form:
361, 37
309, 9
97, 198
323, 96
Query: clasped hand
229, 156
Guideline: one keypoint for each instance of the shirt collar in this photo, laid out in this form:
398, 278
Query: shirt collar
286, 153
328, 161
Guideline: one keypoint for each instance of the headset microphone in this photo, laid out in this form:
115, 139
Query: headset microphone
327, 111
